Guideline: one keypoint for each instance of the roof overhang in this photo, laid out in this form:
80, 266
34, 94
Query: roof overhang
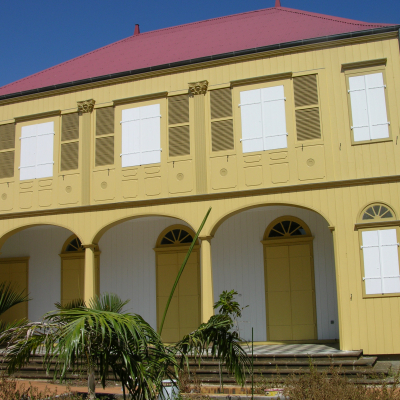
255, 50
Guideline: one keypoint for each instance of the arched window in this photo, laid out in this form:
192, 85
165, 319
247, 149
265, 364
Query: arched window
177, 235
379, 251
286, 227
73, 245
377, 212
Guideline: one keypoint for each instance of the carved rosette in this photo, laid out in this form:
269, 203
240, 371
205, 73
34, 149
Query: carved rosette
86, 106
198, 87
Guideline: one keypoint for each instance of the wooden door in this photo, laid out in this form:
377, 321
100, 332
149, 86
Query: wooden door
289, 292
15, 270
184, 311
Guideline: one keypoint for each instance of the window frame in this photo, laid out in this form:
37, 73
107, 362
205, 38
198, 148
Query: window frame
162, 100
284, 80
378, 225
56, 145
367, 70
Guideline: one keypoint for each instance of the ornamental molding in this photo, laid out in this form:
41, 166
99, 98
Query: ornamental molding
86, 106
198, 87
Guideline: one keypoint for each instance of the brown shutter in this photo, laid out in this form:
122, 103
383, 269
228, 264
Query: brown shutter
305, 90
7, 136
69, 156
308, 125
221, 103
104, 121
178, 136
70, 127
6, 164
104, 144
222, 135
221, 120
105, 150
178, 109
179, 141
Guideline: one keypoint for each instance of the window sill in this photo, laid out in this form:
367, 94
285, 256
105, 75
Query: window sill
389, 139
379, 296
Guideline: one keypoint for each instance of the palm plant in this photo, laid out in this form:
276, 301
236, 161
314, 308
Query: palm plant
9, 297
98, 335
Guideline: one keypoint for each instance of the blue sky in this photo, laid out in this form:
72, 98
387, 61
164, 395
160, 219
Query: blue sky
37, 34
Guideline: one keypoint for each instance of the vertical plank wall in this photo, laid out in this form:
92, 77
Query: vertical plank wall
237, 259
128, 263
42, 244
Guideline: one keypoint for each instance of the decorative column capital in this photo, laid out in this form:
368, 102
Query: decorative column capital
208, 238
86, 106
198, 87
89, 246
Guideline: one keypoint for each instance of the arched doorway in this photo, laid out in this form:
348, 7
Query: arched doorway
184, 311
73, 270
289, 280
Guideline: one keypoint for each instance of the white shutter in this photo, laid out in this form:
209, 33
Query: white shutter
389, 260
150, 134
251, 115
27, 168
379, 128
141, 136
130, 137
359, 108
44, 150
274, 118
372, 263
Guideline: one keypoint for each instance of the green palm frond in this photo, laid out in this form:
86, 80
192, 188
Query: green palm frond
76, 303
107, 302
10, 297
216, 339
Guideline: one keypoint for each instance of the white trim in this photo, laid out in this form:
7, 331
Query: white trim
140, 119
138, 152
262, 101
41, 134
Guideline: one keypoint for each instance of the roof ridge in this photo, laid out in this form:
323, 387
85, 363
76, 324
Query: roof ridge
330, 17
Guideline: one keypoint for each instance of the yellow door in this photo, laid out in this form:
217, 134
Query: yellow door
73, 277
184, 311
16, 272
289, 292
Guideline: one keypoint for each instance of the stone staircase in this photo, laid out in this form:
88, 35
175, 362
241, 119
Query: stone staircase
266, 366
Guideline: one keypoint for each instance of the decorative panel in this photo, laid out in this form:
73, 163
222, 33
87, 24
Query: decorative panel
180, 176
223, 172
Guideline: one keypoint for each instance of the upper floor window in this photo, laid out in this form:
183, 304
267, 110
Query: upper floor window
141, 129
369, 119
379, 252
37, 151
263, 119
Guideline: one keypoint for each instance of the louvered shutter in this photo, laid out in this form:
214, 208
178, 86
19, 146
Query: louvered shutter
372, 266
104, 154
7, 144
379, 126
44, 151
69, 156
389, 260
274, 118
27, 167
7, 136
69, 142
70, 127
308, 125
6, 164
221, 120
251, 115
179, 133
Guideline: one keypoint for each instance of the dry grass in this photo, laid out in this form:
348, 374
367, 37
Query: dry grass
189, 383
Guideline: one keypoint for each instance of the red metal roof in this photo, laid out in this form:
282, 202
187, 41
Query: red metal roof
185, 42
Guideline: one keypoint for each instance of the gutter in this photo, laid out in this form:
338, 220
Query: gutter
322, 39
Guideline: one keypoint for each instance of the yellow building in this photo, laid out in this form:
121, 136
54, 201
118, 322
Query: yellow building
285, 122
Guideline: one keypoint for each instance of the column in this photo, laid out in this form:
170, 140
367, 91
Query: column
90, 273
85, 109
198, 91
207, 292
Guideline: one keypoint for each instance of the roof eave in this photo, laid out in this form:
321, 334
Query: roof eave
254, 50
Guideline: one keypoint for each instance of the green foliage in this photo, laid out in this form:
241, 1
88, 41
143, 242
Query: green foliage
99, 336
9, 297
227, 304
217, 339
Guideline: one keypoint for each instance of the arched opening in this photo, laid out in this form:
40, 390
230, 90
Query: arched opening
73, 270
32, 252
289, 280
238, 262
184, 311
